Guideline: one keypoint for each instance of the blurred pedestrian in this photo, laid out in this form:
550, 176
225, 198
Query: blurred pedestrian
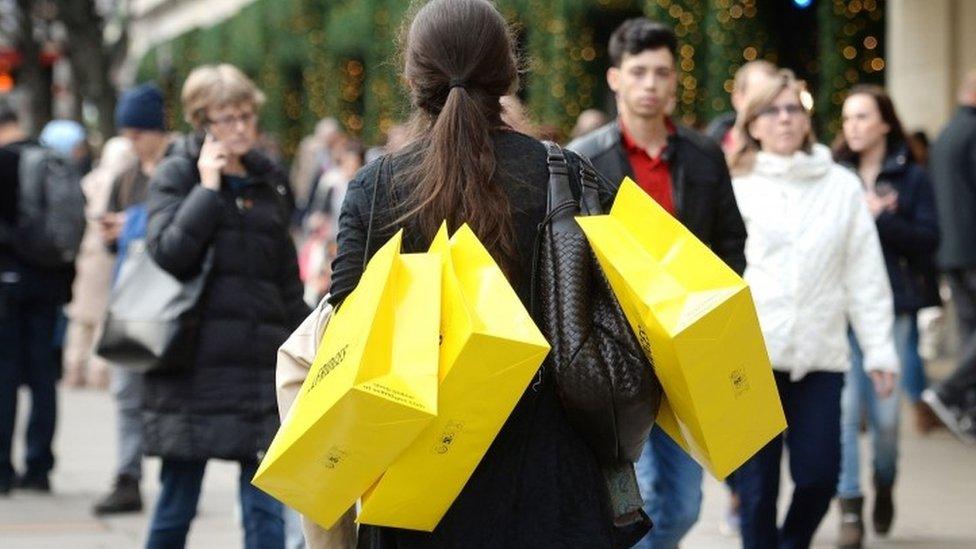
539, 484
39, 239
329, 176
952, 161
396, 137
813, 262
686, 174
588, 121
899, 196
217, 196
313, 159
140, 118
720, 129
322, 225
94, 267
918, 143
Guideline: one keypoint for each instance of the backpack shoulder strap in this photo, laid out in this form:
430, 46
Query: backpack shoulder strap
560, 202
32, 169
590, 185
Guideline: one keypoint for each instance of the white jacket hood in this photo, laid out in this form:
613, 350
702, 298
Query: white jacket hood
801, 166
814, 264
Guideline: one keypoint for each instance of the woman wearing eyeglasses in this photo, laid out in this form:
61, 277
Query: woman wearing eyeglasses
813, 261
216, 192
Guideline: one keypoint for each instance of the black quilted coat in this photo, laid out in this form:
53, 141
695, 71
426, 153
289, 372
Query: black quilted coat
223, 405
539, 485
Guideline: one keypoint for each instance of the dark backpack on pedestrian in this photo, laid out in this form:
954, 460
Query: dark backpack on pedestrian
51, 209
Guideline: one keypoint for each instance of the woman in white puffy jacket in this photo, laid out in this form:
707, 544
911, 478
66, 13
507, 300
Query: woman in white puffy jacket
814, 263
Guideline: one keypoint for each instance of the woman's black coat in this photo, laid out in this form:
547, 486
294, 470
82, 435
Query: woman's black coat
223, 404
539, 485
910, 234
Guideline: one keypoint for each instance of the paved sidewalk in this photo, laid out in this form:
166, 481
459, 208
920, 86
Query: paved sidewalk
936, 495
85, 450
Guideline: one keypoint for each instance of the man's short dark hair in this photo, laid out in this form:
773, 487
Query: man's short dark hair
8, 114
638, 35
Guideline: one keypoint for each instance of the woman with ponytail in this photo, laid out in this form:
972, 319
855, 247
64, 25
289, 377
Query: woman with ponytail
539, 485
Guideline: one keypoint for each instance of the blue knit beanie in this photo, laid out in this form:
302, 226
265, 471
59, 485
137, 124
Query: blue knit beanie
141, 108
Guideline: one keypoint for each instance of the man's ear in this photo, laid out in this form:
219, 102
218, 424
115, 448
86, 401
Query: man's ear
613, 78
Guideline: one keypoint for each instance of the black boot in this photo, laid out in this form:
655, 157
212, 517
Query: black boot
33, 482
851, 524
884, 510
124, 498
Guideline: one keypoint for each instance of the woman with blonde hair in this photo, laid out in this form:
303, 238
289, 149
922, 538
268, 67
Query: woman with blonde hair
217, 195
813, 263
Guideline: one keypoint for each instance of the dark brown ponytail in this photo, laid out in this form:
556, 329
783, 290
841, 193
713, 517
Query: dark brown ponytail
459, 61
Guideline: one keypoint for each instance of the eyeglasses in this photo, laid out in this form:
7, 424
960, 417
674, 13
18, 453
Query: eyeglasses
773, 111
231, 121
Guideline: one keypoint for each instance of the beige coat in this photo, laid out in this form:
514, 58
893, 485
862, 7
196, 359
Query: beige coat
94, 264
295, 357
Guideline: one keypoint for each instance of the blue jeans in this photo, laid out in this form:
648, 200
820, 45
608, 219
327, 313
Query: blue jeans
812, 407
177, 505
883, 414
670, 482
27, 356
913, 379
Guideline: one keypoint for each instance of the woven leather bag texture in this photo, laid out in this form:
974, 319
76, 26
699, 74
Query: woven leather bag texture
604, 380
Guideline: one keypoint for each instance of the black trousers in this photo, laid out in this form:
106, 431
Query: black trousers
27, 328
812, 408
963, 379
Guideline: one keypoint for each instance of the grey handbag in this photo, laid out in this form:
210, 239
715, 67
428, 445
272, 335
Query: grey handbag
147, 327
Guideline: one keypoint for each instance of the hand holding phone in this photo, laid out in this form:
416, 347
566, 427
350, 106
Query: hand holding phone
110, 226
213, 159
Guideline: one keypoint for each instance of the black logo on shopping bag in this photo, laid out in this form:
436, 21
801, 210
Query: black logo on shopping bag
644, 341
330, 365
740, 383
448, 436
334, 457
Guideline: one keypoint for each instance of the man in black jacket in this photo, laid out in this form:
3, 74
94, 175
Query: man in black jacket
686, 173
953, 165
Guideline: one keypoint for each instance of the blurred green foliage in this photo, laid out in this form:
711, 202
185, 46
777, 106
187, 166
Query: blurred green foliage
317, 58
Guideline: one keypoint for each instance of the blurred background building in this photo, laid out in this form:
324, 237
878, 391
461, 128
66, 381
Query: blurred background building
931, 44
317, 58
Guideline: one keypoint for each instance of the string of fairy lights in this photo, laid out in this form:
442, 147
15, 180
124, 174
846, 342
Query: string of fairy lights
316, 58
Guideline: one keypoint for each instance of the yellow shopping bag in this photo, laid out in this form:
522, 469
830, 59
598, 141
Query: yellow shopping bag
696, 317
491, 350
370, 391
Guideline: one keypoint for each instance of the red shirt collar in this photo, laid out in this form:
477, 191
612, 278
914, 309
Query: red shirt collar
631, 145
